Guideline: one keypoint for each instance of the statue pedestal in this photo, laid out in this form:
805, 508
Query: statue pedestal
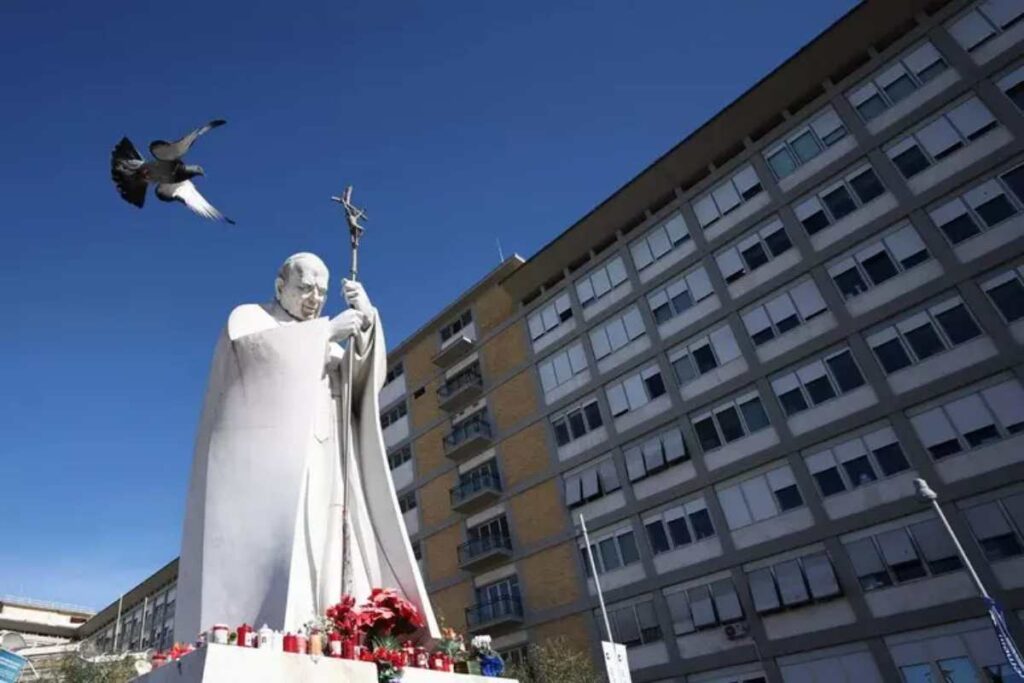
229, 664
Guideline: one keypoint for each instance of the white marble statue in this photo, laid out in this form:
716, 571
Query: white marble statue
262, 538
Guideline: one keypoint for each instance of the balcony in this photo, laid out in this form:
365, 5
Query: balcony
461, 390
484, 552
493, 616
456, 347
467, 439
476, 493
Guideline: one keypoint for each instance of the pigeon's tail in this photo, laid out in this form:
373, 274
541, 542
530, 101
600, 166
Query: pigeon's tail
128, 173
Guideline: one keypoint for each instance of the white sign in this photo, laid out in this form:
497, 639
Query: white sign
616, 663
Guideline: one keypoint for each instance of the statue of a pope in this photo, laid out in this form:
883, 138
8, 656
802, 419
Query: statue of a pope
262, 541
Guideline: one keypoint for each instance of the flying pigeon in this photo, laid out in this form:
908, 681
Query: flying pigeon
172, 177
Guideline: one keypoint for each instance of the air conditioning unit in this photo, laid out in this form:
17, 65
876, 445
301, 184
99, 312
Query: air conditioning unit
736, 631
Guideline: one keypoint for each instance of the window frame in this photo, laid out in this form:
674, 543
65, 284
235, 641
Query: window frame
786, 142
901, 61
592, 281
750, 313
854, 259
842, 180
735, 403
659, 229
635, 454
580, 407
960, 199
802, 384
882, 433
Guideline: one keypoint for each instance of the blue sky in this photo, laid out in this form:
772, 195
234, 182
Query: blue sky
460, 123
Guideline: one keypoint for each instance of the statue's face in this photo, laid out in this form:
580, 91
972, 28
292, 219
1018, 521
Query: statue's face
304, 291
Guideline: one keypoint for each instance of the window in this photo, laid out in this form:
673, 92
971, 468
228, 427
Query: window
392, 416
857, 462
763, 244
999, 526
703, 606
838, 199
633, 625
407, 502
789, 310
879, 260
817, 382
981, 208
1006, 291
696, 357
897, 80
456, 326
679, 295
611, 551
730, 421
659, 241
793, 583
679, 526
393, 373
936, 140
561, 367
549, 317
727, 196
477, 479
972, 420
491, 530
591, 483
600, 281
902, 554
398, 458
655, 453
617, 332
576, 422
805, 143
760, 497
635, 391
983, 22
1013, 85
923, 335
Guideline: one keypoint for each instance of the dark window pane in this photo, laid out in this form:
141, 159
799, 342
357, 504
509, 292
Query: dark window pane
1015, 180
789, 498
705, 359
931, 71
829, 482
845, 371
701, 522
911, 162
627, 546
960, 228
879, 267
655, 386
900, 88
729, 421
815, 223
765, 335
752, 191
859, 471
754, 256
684, 369
778, 242
1009, 299
576, 425
850, 283
891, 459
609, 554
942, 154
593, 414
707, 434
925, 341
786, 324
753, 413
656, 535
805, 147
907, 571
958, 324
793, 402
679, 533
820, 390
867, 186
1016, 93
682, 301
662, 313
839, 202
996, 210
834, 136
872, 107
909, 262
892, 356
562, 433
782, 163
982, 436
944, 448
1001, 547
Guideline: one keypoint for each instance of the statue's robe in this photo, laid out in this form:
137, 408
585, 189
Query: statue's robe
263, 531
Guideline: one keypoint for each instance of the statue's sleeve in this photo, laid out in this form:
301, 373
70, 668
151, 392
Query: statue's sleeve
370, 361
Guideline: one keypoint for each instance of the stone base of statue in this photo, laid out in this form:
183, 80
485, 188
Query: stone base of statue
230, 664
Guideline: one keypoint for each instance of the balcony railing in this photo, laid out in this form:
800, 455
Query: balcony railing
460, 390
475, 492
456, 347
468, 438
491, 614
483, 550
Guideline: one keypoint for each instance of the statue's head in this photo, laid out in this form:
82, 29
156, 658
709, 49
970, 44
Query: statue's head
301, 285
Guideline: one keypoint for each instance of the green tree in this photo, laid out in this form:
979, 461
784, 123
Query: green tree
556, 661
74, 669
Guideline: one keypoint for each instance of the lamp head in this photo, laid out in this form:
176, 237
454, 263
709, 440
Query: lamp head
923, 492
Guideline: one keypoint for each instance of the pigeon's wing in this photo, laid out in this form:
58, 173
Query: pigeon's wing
126, 165
186, 193
170, 151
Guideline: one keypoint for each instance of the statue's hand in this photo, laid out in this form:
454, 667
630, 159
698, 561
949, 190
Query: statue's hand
347, 323
356, 297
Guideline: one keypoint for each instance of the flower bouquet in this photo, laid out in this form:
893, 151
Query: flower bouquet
491, 663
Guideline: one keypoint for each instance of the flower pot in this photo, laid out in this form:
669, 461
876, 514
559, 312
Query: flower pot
470, 666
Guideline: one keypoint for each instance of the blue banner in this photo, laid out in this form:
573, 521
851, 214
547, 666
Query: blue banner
1010, 650
10, 666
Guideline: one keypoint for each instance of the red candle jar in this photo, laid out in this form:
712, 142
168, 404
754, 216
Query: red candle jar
301, 644
334, 644
291, 643
245, 636
422, 658
348, 648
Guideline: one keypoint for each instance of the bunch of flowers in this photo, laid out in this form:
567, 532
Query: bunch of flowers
345, 617
389, 657
387, 613
491, 663
452, 644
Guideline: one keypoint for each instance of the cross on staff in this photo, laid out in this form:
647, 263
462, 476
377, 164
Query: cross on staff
353, 215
